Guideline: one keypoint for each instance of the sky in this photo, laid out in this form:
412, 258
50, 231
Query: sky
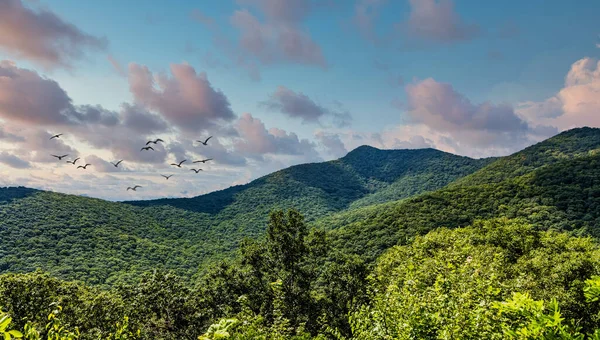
278, 83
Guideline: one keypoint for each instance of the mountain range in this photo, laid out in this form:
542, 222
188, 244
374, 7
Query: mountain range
368, 201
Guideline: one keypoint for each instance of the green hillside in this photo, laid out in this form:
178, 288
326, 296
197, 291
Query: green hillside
554, 184
104, 242
364, 176
522, 265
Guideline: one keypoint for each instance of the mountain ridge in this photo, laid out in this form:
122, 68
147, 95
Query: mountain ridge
54, 231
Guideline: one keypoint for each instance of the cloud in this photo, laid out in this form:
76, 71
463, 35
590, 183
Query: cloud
37, 147
298, 105
43, 37
116, 66
437, 21
100, 165
281, 11
142, 121
221, 154
13, 161
295, 105
332, 143
27, 97
466, 126
10, 137
257, 141
269, 32
202, 18
276, 42
366, 13
186, 99
576, 104
414, 142
439, 106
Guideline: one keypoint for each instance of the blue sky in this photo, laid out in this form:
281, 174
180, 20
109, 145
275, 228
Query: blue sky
513, 54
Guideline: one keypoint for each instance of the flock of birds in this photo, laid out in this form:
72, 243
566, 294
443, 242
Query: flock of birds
148, 147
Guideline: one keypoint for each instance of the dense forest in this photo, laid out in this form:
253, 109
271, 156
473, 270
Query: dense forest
103, 242
404, 244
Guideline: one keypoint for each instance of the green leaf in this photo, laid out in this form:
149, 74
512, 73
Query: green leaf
4, 322
16, 333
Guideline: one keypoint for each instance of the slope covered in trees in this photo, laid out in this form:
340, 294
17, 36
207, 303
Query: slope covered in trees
554, 184
496, 279
364, 176
104, 242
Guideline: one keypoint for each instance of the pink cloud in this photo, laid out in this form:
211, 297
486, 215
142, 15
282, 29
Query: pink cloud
186, 99
295, 105
13, 161
576, 104
366, 13
437, 21
299, 105
275, 42
286, 12
202, 18
332, 143
116, 65
439, 106
278, 37
257, 141
42, 36
467, 125
27, 97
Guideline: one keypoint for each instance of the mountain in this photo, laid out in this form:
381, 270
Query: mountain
364, 176
554, 184
103, 242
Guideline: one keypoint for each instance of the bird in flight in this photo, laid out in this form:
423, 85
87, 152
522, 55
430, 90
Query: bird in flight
116, 164
179, 164
60, 157
196, 170
167, 177
155, 141
203, 161
56, 136
83, 166
206, 141
135, 187
147, 148
73, 161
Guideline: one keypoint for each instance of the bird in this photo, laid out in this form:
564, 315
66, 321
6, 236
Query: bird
56, 136
73, 161
178, 164
155, 141
135, 187
196, 170
206, 141
167, 177
83, 166
203, 161
116, 164
60, 157
147, 148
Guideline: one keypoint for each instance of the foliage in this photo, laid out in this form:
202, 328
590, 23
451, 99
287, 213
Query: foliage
7, 334
446, 285
103, 243
553, 190
530, 319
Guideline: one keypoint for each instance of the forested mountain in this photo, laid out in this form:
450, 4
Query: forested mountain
364, 176
523, 264
103, 242
554, 184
